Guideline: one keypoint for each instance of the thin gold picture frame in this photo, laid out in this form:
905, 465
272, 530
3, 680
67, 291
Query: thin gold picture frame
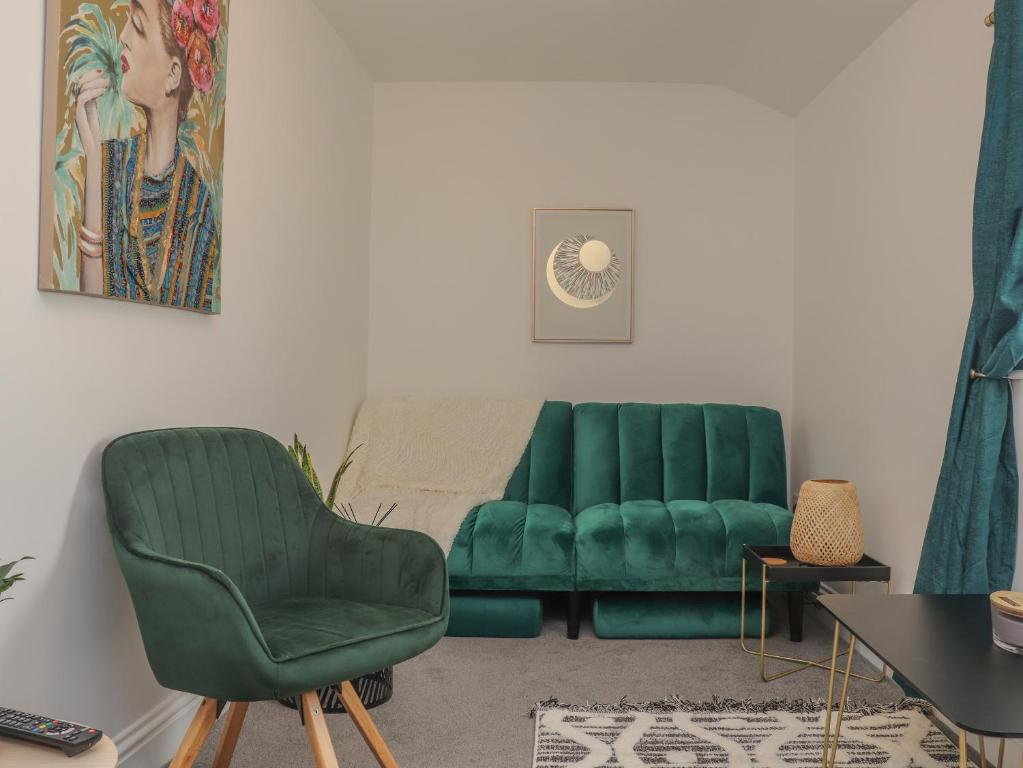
631, 214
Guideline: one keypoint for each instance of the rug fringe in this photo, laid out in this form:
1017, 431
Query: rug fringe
719, 705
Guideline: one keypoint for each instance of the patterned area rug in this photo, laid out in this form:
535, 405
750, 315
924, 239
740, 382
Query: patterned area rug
734, 734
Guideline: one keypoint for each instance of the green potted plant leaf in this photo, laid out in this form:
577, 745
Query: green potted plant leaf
377, 687
8, 579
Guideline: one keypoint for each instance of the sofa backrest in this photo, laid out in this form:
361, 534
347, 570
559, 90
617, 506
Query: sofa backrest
644, 451
544, 473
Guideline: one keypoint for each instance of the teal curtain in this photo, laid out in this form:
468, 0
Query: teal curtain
970, 546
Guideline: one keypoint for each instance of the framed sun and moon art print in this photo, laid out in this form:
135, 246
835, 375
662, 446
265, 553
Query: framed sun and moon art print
582, 274
133, 150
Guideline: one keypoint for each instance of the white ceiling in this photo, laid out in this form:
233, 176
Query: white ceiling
779, 52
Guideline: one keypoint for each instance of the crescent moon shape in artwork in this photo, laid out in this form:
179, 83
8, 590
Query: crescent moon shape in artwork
562, 295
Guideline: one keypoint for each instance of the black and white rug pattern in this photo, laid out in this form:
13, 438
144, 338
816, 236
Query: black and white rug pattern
736, 734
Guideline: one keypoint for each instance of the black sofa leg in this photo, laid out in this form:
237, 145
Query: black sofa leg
574, 609
796, 617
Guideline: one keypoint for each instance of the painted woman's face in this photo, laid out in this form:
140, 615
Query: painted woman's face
147, 67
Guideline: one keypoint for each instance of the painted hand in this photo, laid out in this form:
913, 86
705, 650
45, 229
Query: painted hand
91, 86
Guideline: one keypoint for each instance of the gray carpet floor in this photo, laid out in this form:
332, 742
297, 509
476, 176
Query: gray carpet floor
465, 703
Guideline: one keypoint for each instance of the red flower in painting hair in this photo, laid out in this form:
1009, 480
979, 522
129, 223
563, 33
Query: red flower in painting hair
207, 16
200, 62
183, 21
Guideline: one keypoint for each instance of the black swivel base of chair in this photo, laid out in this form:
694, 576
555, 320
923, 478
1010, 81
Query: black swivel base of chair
315, 725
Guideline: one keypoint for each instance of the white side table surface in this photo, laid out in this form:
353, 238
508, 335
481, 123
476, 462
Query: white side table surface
23, 754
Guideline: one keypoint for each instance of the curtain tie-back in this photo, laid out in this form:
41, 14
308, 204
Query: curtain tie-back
976, 375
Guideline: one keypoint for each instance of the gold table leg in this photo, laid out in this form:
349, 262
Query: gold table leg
964, 750
762, 654
763, 622
831, 694
831, 743
842, 700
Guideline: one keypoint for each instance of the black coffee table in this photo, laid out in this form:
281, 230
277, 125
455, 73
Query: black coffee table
775, 562
941, 644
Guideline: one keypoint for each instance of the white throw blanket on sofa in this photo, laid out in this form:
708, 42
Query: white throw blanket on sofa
436, 459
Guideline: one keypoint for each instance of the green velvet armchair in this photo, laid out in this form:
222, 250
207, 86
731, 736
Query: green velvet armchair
247, 588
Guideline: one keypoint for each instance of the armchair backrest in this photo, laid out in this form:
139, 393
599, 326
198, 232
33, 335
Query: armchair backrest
644, 451
230, 498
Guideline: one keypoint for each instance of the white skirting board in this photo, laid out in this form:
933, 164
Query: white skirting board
152, 739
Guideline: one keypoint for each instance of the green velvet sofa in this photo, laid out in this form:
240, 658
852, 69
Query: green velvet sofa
613, 499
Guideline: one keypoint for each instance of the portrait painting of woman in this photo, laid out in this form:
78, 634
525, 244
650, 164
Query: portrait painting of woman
135, 127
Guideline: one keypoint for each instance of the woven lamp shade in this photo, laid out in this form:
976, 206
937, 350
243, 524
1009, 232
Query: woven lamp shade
828, 529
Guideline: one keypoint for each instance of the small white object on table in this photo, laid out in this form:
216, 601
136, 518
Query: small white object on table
23, 754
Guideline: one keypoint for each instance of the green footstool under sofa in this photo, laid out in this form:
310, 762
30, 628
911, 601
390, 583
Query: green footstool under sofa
644, 507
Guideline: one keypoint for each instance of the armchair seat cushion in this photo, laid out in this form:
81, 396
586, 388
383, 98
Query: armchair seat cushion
512, 545
301, 626
674, 546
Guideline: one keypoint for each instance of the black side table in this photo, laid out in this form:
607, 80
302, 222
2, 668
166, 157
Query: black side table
777, 563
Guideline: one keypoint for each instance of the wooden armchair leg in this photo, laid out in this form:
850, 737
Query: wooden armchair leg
229, 739
196, 735
362, 720
316, 729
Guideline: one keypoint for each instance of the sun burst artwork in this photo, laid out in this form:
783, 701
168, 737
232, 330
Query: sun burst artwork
582, 275
583, 271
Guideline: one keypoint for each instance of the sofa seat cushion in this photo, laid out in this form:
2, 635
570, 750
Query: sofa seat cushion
678, 546
511, 545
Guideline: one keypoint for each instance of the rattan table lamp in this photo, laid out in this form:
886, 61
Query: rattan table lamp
828, 528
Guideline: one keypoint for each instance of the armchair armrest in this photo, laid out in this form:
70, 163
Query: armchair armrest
198, 631
380, 565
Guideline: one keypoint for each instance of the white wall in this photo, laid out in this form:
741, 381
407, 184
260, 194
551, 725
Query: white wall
289, 353
886, 160
458, 168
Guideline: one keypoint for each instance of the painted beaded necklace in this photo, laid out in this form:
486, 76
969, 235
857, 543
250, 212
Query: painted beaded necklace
154, 274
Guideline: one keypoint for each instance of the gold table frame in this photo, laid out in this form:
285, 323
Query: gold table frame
831, 742
802, 664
